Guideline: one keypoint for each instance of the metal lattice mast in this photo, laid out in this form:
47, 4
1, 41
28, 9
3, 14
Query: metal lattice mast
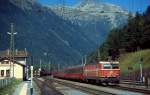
12, 46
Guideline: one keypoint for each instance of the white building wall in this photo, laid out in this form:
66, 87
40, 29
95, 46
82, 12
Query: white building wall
18, 70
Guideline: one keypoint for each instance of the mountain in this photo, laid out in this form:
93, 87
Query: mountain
95, 18
65, 36
40, 30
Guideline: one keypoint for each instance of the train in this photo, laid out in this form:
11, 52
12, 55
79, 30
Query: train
41, 73
101, 72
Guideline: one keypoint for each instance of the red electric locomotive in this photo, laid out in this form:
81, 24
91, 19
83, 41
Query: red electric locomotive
102, 72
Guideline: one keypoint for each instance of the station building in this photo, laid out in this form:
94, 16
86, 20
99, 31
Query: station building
13, 67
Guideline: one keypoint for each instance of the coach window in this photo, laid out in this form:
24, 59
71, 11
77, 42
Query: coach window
107, 66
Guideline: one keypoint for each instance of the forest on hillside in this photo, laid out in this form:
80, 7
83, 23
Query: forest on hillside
134, 36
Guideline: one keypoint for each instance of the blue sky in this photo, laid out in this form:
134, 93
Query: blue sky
131, 5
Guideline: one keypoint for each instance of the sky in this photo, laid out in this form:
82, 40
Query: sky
130, 5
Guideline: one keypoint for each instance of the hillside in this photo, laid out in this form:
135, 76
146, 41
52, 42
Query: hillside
133, 36
40, 30
130, 65
132, 61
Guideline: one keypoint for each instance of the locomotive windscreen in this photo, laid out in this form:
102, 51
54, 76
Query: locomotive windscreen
107, 66
110, 66
115, 66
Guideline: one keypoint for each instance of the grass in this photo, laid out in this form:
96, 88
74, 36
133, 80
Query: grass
133, 60
8, 90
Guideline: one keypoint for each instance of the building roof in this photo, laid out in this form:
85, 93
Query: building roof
16, 62
18, 54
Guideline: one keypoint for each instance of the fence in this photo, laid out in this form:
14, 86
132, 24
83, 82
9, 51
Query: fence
5, 82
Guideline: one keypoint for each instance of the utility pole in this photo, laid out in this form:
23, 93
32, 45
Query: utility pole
26, 69
85, 60
25, 50
45, 60
98, 55
40, 68
141, 69
12, 46
58, 67
50, 66
82, 61
31, 88
40, 64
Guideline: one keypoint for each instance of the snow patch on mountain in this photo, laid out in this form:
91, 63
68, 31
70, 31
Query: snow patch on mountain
88, 11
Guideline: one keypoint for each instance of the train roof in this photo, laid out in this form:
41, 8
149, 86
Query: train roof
107, 62
75, 67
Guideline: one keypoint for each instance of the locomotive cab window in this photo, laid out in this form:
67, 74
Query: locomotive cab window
107, 66
115, 66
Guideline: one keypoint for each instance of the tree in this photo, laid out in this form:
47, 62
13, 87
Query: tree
148, 11
134, 35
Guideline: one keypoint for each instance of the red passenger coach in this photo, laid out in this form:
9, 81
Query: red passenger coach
103, 72
59, 74
75, 73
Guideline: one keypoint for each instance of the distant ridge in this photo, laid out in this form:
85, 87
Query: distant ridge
95, 18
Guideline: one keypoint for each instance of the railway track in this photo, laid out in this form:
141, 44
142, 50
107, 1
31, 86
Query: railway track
46, 87
133, 88
90, 88
145, 92
98, 90
83, 89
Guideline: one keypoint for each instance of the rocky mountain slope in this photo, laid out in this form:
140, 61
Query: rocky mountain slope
41, 30
95, 18
65, 37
